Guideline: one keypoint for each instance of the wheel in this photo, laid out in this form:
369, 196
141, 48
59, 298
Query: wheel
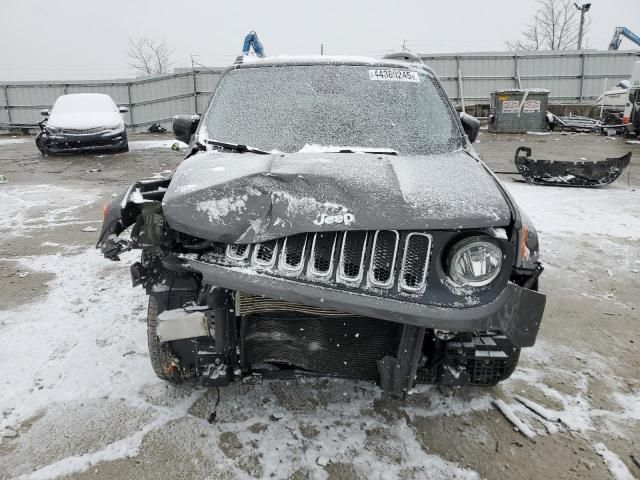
125, 148
160, 353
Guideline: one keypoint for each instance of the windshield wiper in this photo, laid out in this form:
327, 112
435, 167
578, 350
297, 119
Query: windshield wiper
378, 151
236, 147
339, 149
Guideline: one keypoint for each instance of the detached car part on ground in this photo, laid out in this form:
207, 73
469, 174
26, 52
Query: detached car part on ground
361, 237
559, 173
83, 122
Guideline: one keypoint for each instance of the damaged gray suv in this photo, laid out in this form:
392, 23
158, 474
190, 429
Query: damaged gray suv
331, 218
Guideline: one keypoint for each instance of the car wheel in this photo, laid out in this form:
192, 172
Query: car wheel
160, 353
125, 148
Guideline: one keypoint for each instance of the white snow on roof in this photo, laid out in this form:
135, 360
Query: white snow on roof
286, 59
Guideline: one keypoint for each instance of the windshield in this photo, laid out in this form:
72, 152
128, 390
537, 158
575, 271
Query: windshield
287, 107
83, 103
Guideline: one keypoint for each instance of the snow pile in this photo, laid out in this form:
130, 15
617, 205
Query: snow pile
10, 141
613, 211
616, 466
25, 210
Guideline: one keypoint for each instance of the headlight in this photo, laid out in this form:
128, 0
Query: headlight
52, 130
474, 262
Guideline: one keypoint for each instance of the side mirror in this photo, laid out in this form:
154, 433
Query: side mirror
44, 113
471, 126
123, 109
184, 126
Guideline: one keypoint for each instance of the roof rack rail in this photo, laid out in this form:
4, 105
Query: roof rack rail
406, 56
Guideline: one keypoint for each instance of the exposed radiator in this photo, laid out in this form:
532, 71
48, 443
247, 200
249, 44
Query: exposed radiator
247, 304
347, 347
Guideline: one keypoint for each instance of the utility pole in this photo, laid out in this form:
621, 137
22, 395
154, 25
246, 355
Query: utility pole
583, 9
322, 49
404, 45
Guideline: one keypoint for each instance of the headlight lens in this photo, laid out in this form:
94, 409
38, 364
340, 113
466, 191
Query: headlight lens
474, 262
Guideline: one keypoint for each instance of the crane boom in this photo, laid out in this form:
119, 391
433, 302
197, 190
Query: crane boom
622, 32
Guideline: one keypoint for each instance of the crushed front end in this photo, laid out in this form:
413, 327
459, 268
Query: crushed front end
377, 305
56, 141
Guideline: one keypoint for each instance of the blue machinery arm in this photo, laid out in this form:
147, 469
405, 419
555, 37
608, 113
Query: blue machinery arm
251, 40
622, 32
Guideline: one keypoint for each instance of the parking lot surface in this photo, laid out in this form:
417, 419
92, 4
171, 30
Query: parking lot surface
78, 398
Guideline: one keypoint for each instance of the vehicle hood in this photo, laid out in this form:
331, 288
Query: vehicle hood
248, 198
83, 121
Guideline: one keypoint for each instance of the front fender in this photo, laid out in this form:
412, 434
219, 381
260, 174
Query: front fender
119, 215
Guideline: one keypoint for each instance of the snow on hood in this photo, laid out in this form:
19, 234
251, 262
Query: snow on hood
84, 110
249, 198
85, 120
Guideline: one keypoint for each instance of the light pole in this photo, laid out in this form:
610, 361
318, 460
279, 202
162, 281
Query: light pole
583, 9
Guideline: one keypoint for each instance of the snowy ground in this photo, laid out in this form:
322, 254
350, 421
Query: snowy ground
78, 397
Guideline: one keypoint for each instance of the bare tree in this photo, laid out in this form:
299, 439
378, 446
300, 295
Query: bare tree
149, 57
554, 26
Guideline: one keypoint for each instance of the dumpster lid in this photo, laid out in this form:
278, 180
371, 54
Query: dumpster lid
522, 90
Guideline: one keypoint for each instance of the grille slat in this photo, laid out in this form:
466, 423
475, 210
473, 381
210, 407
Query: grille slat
383, 258
264, 254
415, 262
238, 251
352, 257
292, 256
322, 251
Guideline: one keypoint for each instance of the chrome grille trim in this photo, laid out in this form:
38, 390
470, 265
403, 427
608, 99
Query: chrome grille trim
376, 258
416, 262
287, 267
342, 274
238, 251
262, 250
312, 260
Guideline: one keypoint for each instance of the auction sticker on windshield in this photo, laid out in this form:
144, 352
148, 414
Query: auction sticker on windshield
394, 75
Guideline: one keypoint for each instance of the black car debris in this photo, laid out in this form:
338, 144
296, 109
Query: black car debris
331, 218
83, 122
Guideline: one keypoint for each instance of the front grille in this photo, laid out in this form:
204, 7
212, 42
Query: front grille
382, 259
83, 131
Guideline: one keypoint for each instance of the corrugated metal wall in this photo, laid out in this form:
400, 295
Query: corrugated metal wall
150, 100
571, 76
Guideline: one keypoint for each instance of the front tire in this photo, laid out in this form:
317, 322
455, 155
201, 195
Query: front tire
160, 353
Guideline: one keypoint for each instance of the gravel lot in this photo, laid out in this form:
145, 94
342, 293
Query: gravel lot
78, 398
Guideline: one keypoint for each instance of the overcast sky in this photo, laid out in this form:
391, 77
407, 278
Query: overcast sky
87, 39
